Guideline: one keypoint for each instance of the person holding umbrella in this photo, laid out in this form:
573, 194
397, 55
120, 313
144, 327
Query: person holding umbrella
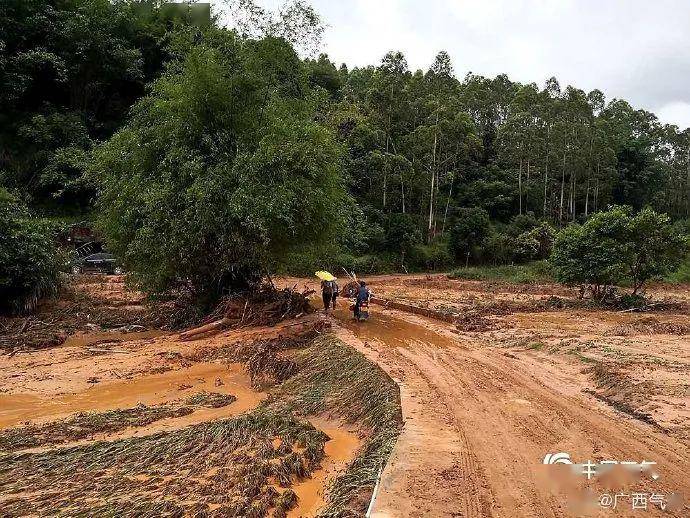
329, 289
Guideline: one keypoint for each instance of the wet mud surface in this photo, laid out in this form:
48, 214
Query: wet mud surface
482, 407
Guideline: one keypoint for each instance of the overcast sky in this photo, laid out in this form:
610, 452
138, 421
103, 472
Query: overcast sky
638, 50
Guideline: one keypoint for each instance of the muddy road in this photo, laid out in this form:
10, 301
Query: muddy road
492, 377
483, 407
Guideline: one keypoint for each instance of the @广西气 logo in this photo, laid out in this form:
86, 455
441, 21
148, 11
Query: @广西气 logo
557, 458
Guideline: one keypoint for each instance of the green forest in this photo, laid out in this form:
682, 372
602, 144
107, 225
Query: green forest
209, 155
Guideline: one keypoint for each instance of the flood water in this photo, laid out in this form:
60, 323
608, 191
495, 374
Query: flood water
149, 390
389, 330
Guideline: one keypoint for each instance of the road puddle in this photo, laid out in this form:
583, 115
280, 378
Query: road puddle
149, 390
390, 330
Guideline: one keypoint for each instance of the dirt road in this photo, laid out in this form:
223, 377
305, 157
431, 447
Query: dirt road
479, 422
483, 408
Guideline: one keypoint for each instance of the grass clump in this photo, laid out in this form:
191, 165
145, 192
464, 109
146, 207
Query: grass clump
84, 425
229, 464
211, 399
532, 273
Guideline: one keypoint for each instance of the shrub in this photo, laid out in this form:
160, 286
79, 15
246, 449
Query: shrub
434, 256
522, 223
535, 244
615, 246
499, 248
653, 247
29, 261
469, 231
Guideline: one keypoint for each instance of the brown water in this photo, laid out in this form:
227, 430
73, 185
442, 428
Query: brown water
340, 451
390, 330
149, 390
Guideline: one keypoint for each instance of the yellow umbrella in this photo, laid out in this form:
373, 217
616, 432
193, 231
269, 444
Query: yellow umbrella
325, 276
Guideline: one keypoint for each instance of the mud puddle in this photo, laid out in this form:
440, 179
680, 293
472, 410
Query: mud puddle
340, 451
391, 331
149, 390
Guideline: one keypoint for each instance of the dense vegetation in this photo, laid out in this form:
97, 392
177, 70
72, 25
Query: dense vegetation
617, 246
209, 154
29, 264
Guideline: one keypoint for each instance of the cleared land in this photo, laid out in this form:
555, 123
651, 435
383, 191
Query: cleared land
505, 373
299, 417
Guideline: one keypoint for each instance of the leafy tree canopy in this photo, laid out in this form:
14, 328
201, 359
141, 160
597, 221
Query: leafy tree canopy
221, 170
615, 246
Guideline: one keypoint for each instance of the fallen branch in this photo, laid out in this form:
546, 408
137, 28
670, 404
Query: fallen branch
264, 307
213, 326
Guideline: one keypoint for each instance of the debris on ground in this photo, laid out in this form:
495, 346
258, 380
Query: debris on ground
86, 424
211, 399
87, 303
231, 465
266, 306
649, 326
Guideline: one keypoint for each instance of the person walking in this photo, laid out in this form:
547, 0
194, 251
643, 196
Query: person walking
363, 295
327, 294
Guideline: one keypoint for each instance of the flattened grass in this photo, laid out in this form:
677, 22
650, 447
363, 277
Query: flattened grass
228, 464
335, 379
233, 467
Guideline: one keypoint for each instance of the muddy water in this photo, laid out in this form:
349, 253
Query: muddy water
86, 339
390, 330
340, 451
150, 390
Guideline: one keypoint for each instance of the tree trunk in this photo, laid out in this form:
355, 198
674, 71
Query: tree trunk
520, 187
687, 188
527, 187
560, 211
385, 177
402, 191
385, 167
546, 172
445, 214
573, 188
433, 179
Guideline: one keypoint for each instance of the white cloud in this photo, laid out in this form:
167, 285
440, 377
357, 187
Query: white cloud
676, 113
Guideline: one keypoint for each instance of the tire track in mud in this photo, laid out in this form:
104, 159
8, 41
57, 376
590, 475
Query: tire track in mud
475, 493
500, 420
432, 471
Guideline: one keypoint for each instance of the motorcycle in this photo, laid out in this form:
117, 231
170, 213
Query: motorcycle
363, 311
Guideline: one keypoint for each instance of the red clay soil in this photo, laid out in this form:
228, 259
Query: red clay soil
482, 407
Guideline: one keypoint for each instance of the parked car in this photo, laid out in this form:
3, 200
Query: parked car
97, 263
